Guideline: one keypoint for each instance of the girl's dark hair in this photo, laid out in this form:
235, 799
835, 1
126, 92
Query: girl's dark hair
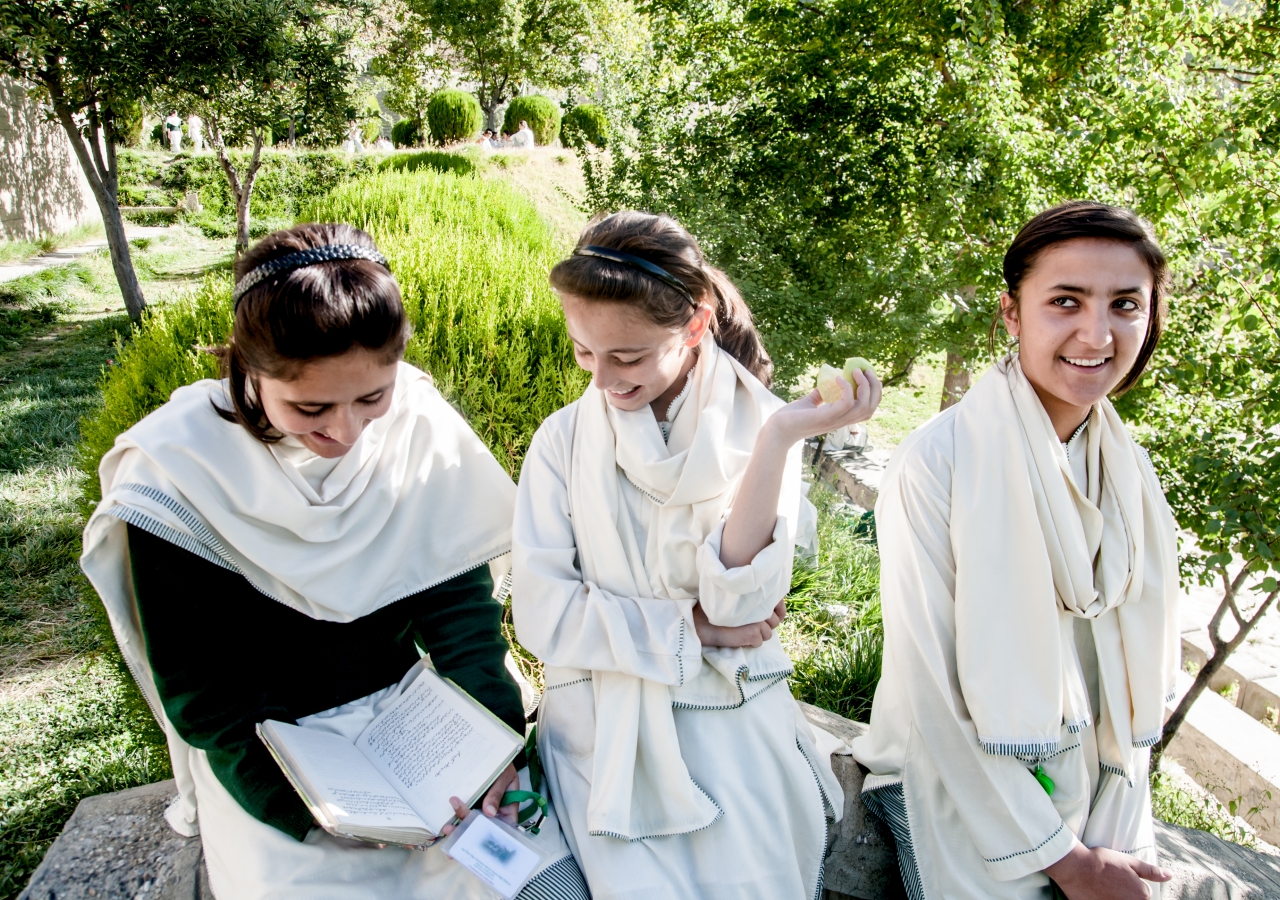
299, 315
1087, 219
662, 241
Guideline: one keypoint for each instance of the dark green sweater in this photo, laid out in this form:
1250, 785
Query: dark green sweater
225, 657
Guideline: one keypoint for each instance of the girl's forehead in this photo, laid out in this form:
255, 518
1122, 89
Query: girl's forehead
1088, 265
608, 326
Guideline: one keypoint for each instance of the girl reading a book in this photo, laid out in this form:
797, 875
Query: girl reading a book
656, 522
284, 544
1029, 581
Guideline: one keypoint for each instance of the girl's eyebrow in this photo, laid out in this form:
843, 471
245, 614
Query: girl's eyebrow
1073, 289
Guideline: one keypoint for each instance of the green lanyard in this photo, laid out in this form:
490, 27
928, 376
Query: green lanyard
539, 805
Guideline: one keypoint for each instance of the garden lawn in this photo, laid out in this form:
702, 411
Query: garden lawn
71, 723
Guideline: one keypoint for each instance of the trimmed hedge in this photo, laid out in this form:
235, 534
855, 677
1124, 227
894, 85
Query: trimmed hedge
407, 133
542, 114
453, 116
585, 124
471, 256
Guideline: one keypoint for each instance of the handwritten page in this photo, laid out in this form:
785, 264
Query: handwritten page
350, 788
433, 744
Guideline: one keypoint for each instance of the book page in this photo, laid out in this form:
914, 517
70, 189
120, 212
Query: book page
435, 743
351, 791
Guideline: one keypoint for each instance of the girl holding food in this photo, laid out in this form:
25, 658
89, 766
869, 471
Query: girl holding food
1029, 582
655, 526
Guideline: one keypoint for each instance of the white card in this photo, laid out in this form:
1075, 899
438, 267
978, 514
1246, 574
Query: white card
494, 853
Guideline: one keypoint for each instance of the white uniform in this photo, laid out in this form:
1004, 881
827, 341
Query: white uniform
741, 735
971, 823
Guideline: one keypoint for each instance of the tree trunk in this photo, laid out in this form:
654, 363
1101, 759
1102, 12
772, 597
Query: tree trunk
103, 181
1222, 649
490, 116
956, 380
245, 193
293, 133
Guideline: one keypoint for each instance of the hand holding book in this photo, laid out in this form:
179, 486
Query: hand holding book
397, 783
507, 781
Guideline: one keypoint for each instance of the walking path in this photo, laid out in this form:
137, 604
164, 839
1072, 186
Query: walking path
60, 257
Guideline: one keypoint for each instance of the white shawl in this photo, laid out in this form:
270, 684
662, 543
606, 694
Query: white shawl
640, 785
418, 500
1033, 552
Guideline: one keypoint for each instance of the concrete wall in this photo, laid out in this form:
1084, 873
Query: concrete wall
42, 188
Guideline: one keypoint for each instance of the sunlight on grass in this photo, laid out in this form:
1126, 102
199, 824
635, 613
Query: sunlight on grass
71, 721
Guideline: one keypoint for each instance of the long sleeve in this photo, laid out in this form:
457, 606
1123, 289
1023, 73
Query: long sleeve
570, 623
748, 594
461, 627
920, 723
226, 657
208, 695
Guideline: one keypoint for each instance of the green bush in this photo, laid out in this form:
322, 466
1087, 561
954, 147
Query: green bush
585, 124
453, 116
429, 159
407, 133
542, 114
471, 256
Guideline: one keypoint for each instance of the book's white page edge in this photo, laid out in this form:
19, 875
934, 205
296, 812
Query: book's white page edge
469, 704
317, 798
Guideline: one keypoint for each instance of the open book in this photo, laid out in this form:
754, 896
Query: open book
392, 786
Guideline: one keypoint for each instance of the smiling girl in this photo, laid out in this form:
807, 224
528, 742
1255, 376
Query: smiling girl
1029, 584
655, 526
285, 544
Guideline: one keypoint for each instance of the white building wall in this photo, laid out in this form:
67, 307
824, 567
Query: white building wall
42, 188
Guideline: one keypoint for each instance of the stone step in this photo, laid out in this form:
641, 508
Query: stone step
1231, 755
119, 847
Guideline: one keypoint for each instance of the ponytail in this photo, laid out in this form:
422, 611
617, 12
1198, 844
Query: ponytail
735, 329
661, 241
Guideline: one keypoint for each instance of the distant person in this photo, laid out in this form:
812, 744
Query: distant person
353, 143
173, 128
383, 145
195, 131
1029, 579
523, 136
327, 518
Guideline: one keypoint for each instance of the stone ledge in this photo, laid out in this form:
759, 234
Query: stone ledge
119, 847
1231, 755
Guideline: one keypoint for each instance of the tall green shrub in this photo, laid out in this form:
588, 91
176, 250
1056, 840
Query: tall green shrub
585, 124
406, 133
542, 114
471, 256
453, 116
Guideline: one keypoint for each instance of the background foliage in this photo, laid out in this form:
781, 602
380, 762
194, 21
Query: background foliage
453, 116
542, 114
585, 124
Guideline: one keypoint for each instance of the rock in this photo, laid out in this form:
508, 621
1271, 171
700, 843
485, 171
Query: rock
119, 847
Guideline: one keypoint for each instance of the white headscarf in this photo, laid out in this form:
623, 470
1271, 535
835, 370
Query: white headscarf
640, 785
418, 500
1033, 552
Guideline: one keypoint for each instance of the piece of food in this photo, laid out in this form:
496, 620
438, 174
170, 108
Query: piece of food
829, 383
855, 363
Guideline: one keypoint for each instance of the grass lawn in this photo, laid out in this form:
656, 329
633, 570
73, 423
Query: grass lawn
71, 724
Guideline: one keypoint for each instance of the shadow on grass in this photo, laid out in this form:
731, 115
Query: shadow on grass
72, 723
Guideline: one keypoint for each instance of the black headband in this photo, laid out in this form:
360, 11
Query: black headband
304, 258
643, 265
